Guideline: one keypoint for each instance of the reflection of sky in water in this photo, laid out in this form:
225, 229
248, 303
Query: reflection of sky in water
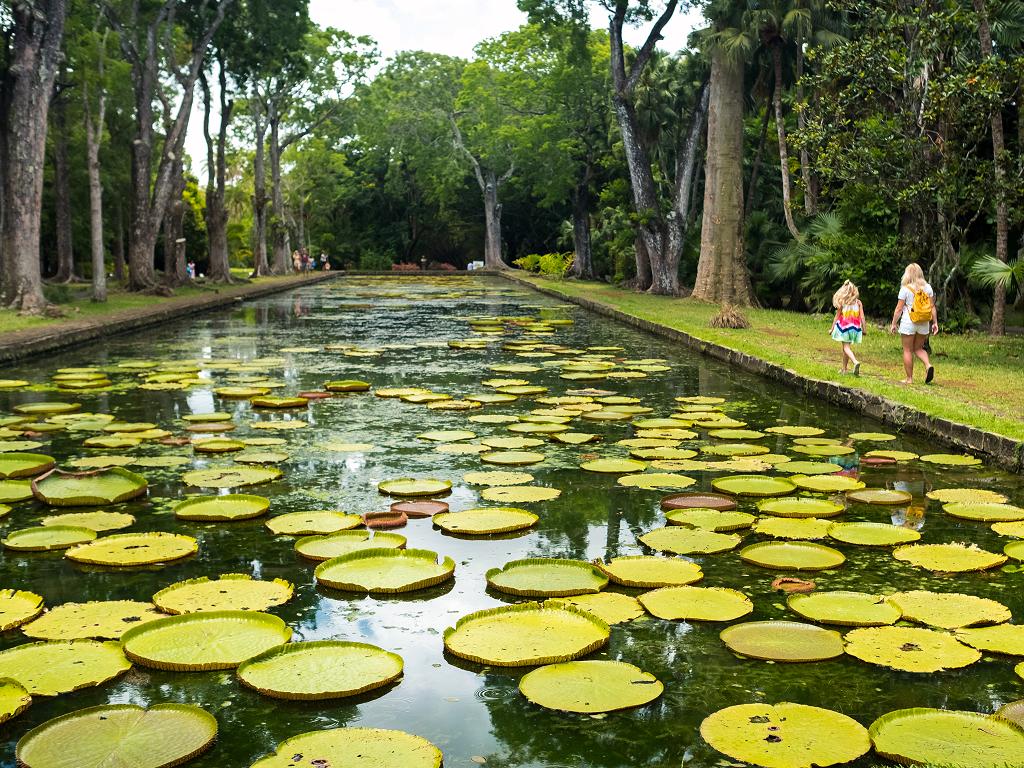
465, 709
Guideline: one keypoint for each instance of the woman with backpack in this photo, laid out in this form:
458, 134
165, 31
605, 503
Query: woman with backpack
915, 318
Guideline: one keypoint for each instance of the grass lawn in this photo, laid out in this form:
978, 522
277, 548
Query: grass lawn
979, 379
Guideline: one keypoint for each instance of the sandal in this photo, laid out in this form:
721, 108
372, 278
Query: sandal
930, 375
856, 369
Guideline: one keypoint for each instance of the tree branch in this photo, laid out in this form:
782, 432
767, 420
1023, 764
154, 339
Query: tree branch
647, 50
461, 145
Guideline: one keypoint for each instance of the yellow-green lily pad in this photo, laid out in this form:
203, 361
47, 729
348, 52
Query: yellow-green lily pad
688, 541
686, 603
949, 558
792, 556
943, 737
385, 571
590, 686
948, 610
909, 649
547, 577
788, 641
846, 609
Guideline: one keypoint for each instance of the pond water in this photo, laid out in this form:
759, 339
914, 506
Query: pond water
467, 710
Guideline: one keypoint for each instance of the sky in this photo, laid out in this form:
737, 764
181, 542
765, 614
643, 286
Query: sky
451, 27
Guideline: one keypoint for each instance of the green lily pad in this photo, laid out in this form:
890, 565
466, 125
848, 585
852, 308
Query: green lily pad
15, 490
590, 686
1015, 530
101, 462
710, 519
734, 449
132, 549
526, 634
519, 494
52, 668
103, 619
968, 495
951, 459
846, 609
826, 483
797, 528
688, 541
823, 450
447, 435
614, 466
800, 506
18, 606
1014, 712
497, 478
688, 603
873, 437
610, 607
264, 401
1003, 638
408, 486
217, 445
547, 577
352, 746
16, 465
14, 699
325, 669
810, 468
485, 520
385, 571
204, 418
880, 496
898, 456
647, 571
45, 538
233, 506
204, 641
909, 649
230, 477
108, 486
656, 480
34, 409
796, 431
948, 610
347, 385
949, 558
785, 735
753, 485
260, 457
872, 534
788, 641
341, 543
985, 511
228, 592
1015, 549
943, 737
792, 556
312, 523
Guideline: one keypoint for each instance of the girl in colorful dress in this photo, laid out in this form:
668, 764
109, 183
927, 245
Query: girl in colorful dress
848, 327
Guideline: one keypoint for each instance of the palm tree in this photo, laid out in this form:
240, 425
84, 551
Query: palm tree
992, 272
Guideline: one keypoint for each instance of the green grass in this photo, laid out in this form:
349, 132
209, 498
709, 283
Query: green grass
979, 378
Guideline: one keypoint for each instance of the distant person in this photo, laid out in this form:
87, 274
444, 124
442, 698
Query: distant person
324, 261
848, 326
190, 270
296, 261
915, 318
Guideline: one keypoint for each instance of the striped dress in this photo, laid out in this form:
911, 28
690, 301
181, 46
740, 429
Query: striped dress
849, 324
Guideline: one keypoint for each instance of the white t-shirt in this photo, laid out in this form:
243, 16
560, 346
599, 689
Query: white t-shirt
907, 297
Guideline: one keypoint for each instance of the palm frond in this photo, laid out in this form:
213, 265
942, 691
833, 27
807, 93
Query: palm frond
990, 272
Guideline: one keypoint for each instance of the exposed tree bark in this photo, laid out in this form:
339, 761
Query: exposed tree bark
62, 184
998, 327
806, 172
259, 197
34, 59
219, 267
281, 248
642, 281
583, 262
119, 250
755, 169
93, 141
686, 162
490, 184
780, 126
175, 271
721, 271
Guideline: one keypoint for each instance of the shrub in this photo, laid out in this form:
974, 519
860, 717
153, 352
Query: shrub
372, 259
405, 267
548, 264
729, 317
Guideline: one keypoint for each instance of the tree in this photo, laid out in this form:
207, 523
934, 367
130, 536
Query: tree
31, 61
61, 178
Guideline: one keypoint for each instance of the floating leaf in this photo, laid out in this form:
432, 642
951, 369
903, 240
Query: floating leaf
232, 506
264, 401
15, 465
948, 610
260, 457
801, 506
217, 445
312, 523
371, 747
1010, 529
872, 534
792, 556
228, 592
546, 577
610, 607
339, 447
326, 669
753, 485
52, 668
941, 737
949, 558
785, 735
127, 549
909, 649
103, 619
347, 385
419, 509
690, 499
108, 486
18, 606
656, 480
648, 571
343, 542
1004, 638
520, 494
696, 603
525, 634
1015, 549
230, 477
614, 466
951, 459
204, 641
14, 699
47, 408
689, 541
447, 435
710, 519
45, 538
800, 528
880, 496
119, 735
847, 609
969, 495
985, 511
810, 468
590, 686
1014, 712
497, 478
789, 641
408, 486
826, 483
486, 520
385, 571
823, 450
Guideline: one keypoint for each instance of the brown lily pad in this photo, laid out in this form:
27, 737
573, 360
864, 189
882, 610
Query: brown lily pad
791, 585
415, 510
701, 499
383, 520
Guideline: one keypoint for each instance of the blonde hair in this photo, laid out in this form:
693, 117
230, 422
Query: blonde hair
847, 294
913, 277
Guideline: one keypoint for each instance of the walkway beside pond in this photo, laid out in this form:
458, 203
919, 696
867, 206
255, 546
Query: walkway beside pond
977, 401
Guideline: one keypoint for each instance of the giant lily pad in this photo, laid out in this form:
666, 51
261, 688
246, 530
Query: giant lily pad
547, 577
785, 735
825, 483
909, 649
943, 737
1004, 638
16, 465
326, 669
590, 686
520, 494
800, 506
204, 641
949, 610
614, 466
880, 496
798, 528
230, 477
407, 486
371, 747
104, 619
1014, 712
810, 467
985, 511
1016, 530
648, 571
14, 699
119, 735
217, 445
949, 558
18, 606
497, 478
688, 541
696, 603
847, 609
525, 634
823, 450
1015, 549
792, 556
753, 485
951, 459
34, 409
343, 542
45, 538
312, 523
654, 480
610, 607
52, 668
107, 486
968, 495
486, 520
710, 519
789, 641
228, 592
233, 506
872, 534
385, 571
128, 549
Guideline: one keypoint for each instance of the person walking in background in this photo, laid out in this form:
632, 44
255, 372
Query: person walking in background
324, 261
915, 318
848, 326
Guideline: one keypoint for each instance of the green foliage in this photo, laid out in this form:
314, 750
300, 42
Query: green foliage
548, 264
376, 260
991, 272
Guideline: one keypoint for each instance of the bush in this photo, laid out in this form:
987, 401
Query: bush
404, 267
548, 264
375, 260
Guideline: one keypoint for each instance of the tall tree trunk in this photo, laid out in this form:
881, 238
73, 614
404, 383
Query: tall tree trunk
219, 267
998, 327
780, 126
806, 172
492, 221
38, 29
583, 262
119, 264
643, 264
62, 188
260, 267
721, 271
282, 263
175, 268
755, 168
93, 140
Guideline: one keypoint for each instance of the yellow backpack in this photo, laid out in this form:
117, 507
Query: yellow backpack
921, 309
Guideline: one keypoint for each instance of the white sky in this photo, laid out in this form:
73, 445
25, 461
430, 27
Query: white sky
451, 27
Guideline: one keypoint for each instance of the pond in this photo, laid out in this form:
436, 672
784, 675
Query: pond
395, 333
